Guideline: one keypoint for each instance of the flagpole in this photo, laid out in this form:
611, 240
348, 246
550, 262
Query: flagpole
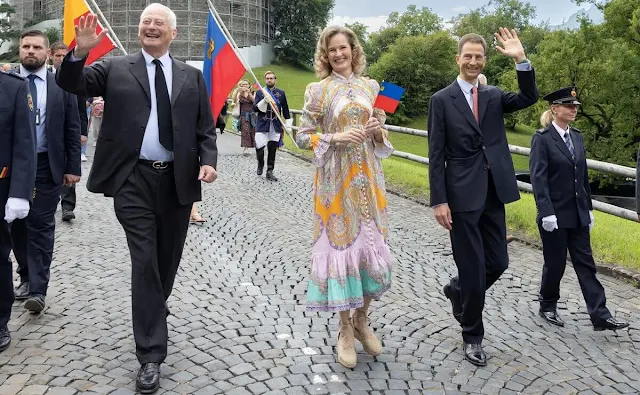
234, 46
108, 26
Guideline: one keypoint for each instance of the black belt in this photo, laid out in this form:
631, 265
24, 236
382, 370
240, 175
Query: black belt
156, 164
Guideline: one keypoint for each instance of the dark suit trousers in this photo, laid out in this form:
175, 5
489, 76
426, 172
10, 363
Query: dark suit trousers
6, 275
68, 197
155, 224
272, 148
554, 249
479, 242
33, 237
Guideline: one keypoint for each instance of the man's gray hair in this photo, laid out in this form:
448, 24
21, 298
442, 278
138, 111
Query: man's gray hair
171, 16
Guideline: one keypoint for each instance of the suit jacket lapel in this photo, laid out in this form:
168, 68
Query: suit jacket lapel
462, 105
139, 71
179, 77
483, 101
559, 142
52, 97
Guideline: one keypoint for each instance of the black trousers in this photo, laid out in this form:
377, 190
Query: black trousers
554, 249
155, 224
272, 148
33, 237
6, 275
479, 242
68, 198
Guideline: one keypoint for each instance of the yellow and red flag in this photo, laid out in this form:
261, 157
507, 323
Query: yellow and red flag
73, 10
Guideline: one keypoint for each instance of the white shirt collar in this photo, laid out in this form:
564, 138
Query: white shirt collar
42, 73
164, 59
466, 86
560, 131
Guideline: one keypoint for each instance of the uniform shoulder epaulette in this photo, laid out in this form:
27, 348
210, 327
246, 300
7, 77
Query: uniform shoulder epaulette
576, 130
542, 131
14, 75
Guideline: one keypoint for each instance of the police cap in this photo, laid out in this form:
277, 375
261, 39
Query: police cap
563, 96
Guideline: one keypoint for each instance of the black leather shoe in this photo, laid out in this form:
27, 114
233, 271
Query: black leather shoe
270, 176
456, 303
35, 303
610, 324
22, 292
5, 338
475, 354
260, 170
148, 380
67, 215
551, 317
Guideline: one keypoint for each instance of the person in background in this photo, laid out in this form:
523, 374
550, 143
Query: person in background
244, 99
560, 181
482, 79
97, 110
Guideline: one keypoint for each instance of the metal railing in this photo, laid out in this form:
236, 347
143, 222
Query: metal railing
604, 167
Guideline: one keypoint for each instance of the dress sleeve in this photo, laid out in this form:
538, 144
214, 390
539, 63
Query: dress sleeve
307, 136
383, 149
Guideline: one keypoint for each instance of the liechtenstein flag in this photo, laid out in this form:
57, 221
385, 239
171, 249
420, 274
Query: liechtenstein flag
222, 68
389, 97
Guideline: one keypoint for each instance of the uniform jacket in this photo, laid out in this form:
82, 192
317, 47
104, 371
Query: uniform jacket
265, 118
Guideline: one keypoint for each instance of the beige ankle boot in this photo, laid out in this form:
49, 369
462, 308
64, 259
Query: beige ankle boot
364, 334
346, 346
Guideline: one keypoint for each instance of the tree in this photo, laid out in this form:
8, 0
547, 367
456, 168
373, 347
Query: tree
360, 30
7, 29
53, 34
380, 41
298, 28
422, 65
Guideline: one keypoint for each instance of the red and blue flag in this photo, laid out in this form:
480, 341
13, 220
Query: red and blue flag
389, 97
222, 67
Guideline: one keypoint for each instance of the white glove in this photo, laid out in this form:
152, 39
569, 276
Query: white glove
16, 208
550, 223
263, 105
288, 123
593, 219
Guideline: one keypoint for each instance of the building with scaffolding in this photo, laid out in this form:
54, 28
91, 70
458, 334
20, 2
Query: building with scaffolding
249, 21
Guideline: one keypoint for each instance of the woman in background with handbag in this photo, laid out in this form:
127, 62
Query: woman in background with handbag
243, 109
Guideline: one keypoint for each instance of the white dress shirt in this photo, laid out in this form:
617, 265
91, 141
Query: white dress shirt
151, 148
41, 86
560, 131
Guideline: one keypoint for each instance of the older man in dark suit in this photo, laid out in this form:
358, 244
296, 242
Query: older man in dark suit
156, 144
57, 125
472, 177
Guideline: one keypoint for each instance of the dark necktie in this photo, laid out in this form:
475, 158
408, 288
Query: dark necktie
165, 126
34, 90
569, 143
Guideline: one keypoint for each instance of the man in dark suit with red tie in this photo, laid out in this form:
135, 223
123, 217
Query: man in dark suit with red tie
472, 177
156, 145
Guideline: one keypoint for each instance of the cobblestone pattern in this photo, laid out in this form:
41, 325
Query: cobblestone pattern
239, 326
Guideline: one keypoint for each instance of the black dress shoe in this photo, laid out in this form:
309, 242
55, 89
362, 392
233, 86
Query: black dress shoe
475, 354
35, 303
270, 176
22, 292
259, 172
456, 303
5, 338
67, 215
148, 380
551, 317
610, 324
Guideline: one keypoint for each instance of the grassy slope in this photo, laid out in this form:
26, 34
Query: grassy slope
614, 240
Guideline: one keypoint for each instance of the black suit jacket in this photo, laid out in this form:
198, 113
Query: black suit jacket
463, 151
62, 125
17, 136
82, 109
264, 118
123, 83
560, 183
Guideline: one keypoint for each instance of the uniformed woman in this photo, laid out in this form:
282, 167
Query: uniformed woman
558, 167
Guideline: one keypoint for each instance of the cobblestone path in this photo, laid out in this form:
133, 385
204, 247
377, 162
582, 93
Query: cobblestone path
238, 323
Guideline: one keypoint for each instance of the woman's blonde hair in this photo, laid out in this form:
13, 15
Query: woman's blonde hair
546, 118
358, 59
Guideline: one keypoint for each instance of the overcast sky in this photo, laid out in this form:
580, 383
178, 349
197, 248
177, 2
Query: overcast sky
373, 13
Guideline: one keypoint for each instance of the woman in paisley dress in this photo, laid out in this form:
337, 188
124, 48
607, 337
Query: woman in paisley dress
351, 262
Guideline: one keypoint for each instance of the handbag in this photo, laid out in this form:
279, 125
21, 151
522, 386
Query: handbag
236, 110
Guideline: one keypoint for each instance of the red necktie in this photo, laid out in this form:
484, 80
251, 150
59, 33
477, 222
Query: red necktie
474, 92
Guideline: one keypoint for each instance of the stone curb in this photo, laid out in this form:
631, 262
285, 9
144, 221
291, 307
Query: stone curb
629, 275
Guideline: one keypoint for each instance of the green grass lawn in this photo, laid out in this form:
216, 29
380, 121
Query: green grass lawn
614, 240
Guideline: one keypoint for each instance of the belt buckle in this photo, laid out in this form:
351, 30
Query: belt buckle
159, 165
